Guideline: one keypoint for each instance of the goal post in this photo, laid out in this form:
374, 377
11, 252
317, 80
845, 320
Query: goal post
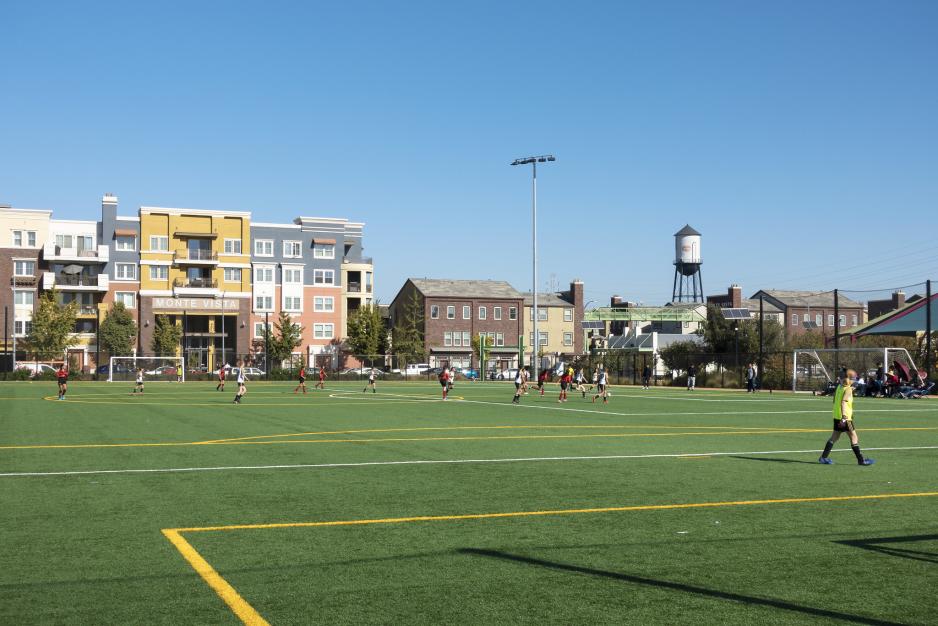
155, 368
813, 370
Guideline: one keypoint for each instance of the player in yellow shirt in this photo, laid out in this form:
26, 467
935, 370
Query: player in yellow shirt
843, 421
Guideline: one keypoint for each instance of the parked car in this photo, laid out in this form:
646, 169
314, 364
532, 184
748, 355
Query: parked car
434, 371
468, 372
120, 368
35, 369
250, 372
415, 369
162, 370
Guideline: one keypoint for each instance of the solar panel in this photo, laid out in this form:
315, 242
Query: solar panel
736, 314
592, 325
809, 324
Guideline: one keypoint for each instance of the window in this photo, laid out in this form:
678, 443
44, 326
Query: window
541, 314
450, 312
159, 272
128, 298
159, 243
497, 312
568, 339
434, 311
853, 320
457, 338
24, 268
263, 303
843, 321
323, 331
259, 330
466, 312
447, 339
292, 249
543, 337
830, 319
126, 243
63, 241
263, 247
324, 277
232, 274
232, 246
292, 303
466, 339
292, 275
568, 315
818, 319
324, 304
27, 236
512, 313
263, 274
30, 238
794, 319
24, 298
482, 313
499, 339
125, 271
323, 251
22, 327
18, 238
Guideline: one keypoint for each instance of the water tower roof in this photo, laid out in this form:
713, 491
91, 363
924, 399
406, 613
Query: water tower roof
687, 230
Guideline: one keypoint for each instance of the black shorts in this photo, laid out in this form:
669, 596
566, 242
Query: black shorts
600, 388
844, 426
444, 383
302, 380
517, 385
63, 381
563, 385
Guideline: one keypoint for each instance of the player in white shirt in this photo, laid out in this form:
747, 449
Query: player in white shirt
138, 387
242, 389
601, 387
519, 384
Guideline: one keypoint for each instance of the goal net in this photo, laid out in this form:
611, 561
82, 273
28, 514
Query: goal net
815, 370
124, 368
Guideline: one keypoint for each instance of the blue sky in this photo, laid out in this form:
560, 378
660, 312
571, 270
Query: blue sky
800, 138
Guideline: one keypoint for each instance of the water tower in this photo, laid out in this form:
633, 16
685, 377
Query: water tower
688, 286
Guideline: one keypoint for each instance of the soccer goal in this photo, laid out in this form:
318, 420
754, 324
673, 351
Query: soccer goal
814, 370
124, 368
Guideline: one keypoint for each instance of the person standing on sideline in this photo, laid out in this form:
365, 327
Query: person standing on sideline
371, 382
138, 387
646, 377
843, 421
302, 381
242, 388
61, 375
322, 379
221, 378
751, 378
691, 377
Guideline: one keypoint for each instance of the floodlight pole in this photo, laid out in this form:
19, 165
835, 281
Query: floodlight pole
534, 160
928, 355
836, 331
739, 374
761, 338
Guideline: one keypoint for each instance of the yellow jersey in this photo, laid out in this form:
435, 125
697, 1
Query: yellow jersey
843, 399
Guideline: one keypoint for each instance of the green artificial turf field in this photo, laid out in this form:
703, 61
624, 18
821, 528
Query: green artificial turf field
177, 507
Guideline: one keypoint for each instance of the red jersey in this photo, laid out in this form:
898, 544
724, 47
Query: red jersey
62, 373
542, 377
221, 374
322, 374
567, 378
302, 372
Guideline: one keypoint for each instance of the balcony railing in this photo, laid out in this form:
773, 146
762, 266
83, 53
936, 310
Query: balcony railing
87, 310
196, 283
195, 255
53, 252
75, 280
354, 287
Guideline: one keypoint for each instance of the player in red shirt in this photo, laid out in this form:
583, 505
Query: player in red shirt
221, 378
302, 384
565, 380
322, 379
62, 376
444, 381
541, 380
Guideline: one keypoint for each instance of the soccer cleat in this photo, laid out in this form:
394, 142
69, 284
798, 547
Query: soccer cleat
867, 462
825, 460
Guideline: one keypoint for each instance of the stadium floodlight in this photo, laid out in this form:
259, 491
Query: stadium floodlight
534, 160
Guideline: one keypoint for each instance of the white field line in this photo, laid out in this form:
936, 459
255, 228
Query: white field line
432, 462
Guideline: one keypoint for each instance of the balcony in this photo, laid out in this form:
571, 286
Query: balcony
54, 253
362, 260
87, 311
195, 257
353, 287
195, 287
74, 282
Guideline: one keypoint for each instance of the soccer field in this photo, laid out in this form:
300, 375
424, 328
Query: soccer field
178, 507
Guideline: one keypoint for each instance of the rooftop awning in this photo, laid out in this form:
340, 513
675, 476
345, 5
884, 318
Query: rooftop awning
188, 234
323, 241
908, 321
125, 232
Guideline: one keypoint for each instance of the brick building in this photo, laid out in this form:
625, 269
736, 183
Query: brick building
802, 310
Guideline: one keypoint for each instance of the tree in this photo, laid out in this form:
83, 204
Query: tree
720, 336
166, 337
53, 326
478, 341
118, 331
408, 332
288, 336
681, 354
365, 330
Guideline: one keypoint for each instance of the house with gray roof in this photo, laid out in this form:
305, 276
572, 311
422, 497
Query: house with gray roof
812, 310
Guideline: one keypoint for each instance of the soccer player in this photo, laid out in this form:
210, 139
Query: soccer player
601, 387
221, 378
524, 380
62, 376
541, 380
581, 382
138, 385
242, 389
444, 381
519, 381
564, 384
691, 377
452, 378
843, 421
322, 379
302, 379
371, 382
646, 377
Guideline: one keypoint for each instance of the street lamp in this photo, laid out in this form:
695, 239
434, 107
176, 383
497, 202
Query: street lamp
534, 160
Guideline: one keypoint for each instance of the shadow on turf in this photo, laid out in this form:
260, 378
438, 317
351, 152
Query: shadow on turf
770, 459
665, 584
882, 545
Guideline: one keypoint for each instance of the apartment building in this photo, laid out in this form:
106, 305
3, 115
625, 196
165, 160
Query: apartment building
559, 319
808, 310
23, 233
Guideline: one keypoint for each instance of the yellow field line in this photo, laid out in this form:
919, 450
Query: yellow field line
225, 591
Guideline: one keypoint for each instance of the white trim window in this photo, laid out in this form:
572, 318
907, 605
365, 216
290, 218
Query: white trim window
447, 339
232, 274
323, 331
499, 339
830, 320
23, 297
125, 271
483, 313
466, 339
263, 247
497, 312
292, 249
323, 304
19, 236
843, 321
232, 246
323, 277
434, 311
127, 298
292, 276
542, 335
794, 319
259, 329
292, 303
159, 272
466, 312
568, 339
263, 303
159, 243
568, 315
323, 251
819, 319
263, 274
450, 312
853, 320
24, 268
21, 328
126, 243
541, 314
512, 313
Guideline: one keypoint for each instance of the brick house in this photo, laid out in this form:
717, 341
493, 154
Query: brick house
798, 308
